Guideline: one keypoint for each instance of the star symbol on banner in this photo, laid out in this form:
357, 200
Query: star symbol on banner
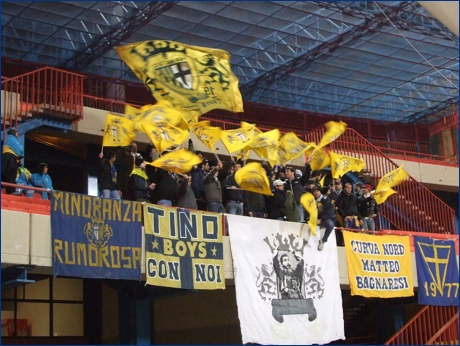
155, 244
214, 251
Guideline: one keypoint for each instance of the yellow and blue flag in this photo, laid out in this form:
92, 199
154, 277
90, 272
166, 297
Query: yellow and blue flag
178, 161
207, 134
190, 78
308, 202
382, 195
334, 129
391, 179
164, 135
252, 177
155, 113
118, 131
238, 139
341, 164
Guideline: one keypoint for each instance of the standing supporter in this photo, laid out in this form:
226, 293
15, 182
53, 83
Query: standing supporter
235, 196
326, 215
359, 189
368, 208
295, 185
213, 190
23, 178
198, 174
347, 207
166, 187
107, 177
139, 183
337, 190
42, 179
185, 196
12, 149
255, 204
278, 200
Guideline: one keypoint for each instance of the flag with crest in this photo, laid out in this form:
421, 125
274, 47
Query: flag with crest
252, 177
341, 164
308, 202
206, 133
293, 146
334, 129
392, 179
265, 145
164, 135
190, 78
178, 161
155, 113
382, 195
118, 131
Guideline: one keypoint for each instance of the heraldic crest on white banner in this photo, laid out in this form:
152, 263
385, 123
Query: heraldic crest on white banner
287, 282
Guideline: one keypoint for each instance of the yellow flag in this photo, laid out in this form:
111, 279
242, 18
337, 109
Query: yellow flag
164, 135
264, 139
322, 180
382, 195
333, 131
319, 159
243, 155
341, 164
252, 177
291, 147
118, 131
238, 139
308, 202
155, 113
178, 161
209, 135
191, 78
392, 178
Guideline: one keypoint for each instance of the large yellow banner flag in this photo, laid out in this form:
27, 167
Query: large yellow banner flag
207, 134
341, 164
392, 179
191, 78
334, 129
235, 140
183, 248
308, 202
379, 266
265, 145
252, 177
178, 161
155, 113
163, 135
293, 146
118, 131
382, 195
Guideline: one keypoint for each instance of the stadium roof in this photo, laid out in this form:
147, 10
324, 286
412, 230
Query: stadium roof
391, 61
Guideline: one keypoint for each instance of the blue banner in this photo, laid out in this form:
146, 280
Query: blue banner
96, 237
437, 271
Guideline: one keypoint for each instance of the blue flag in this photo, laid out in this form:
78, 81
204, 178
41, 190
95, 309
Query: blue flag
96, 237
437, 272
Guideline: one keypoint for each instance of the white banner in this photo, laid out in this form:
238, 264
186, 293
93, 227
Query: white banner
287, 291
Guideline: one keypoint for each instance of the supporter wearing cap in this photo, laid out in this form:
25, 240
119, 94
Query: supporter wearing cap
368, 209
277, 201
12, 149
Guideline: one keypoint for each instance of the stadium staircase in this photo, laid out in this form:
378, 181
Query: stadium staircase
413, 207
55, 94
432, 325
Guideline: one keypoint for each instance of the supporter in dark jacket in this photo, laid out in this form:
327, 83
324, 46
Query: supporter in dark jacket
213, 190
138, 183
198, 174
185, 196
347, 207
277, 201
368, 208
255, 204
166, 187
326, 215
107, 177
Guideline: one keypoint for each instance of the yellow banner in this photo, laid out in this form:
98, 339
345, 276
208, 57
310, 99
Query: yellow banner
391, 179
206, 133
191, 78
164, 135
334, 129
341, 164
178, 161
118, 131
308, 202
238, 139
252, 177
183, 248
379, 266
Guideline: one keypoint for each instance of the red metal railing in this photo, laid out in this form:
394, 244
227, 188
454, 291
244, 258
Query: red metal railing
414, 207
422, 148
424, 326
422, 158
448, 335
58, 91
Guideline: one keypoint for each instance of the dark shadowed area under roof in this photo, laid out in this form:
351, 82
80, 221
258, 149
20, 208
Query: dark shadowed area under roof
391, 61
